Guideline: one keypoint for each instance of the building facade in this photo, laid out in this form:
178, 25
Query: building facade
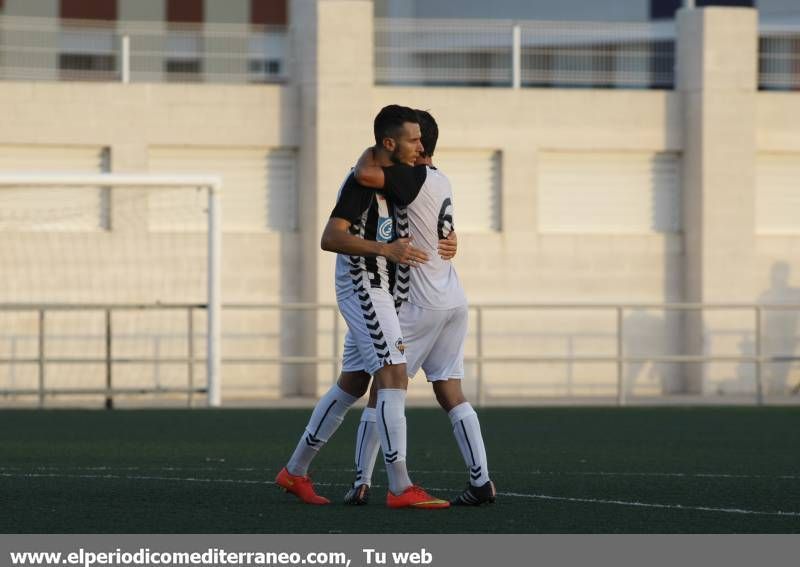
563, 196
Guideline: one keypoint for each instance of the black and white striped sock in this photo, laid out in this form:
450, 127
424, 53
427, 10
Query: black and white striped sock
467, 430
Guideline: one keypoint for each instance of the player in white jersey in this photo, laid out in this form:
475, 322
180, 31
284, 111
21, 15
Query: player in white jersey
433, 318
361, 230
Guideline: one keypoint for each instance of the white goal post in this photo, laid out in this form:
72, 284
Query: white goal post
211, 183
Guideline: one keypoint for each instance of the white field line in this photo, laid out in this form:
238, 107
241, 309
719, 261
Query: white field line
651, 505
508, 494
419, 471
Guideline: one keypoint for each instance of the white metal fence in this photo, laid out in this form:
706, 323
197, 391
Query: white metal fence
524, 54
483, 351
407, 52
84, 50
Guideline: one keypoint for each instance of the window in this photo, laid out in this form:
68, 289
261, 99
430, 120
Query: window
267, 55
665, 9
267, 47
185, 11
87, 49
184, 60
87, 53
105, 10
184, 55
268, 12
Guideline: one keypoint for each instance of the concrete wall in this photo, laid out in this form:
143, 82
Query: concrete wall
130, 120
715, 122
529, 266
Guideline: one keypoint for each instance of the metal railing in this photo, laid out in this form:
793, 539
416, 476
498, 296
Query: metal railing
109, 359
779, 56
620, 358
524, 54
87, 50
211, 183
407, 52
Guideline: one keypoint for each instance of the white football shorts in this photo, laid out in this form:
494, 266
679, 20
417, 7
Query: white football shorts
434, 340
373, 337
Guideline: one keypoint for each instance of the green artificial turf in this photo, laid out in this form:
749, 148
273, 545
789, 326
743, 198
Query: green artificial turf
562, 470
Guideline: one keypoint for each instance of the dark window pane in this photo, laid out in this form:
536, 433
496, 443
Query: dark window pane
185, 11
85, 62
267, 68
664, 9
268, 12
88, 9
86, 67
183, 70
745, 3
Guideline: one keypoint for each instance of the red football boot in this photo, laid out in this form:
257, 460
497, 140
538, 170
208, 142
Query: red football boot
415, 497
300, 486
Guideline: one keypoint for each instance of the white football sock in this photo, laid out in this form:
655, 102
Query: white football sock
326, 418
392, 428
467, 430
368, 443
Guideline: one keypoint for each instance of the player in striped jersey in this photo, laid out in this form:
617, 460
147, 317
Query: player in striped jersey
433, 314
361, 230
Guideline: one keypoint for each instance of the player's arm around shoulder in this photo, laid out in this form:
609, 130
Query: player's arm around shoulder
399, 182
368, 172
337, 238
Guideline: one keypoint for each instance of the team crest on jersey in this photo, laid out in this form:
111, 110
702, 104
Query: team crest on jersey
400, 346
385, 230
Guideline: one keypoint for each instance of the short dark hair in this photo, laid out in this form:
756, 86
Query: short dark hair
430, 132
391, 119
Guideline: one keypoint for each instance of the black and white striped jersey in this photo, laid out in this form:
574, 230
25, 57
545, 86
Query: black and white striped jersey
372, 217
402, 185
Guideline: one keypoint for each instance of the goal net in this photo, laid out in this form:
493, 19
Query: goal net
109, 287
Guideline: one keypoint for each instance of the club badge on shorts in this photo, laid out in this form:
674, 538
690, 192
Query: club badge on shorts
400, 346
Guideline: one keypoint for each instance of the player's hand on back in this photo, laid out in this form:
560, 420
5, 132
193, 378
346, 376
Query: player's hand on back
448, 246
401, 251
